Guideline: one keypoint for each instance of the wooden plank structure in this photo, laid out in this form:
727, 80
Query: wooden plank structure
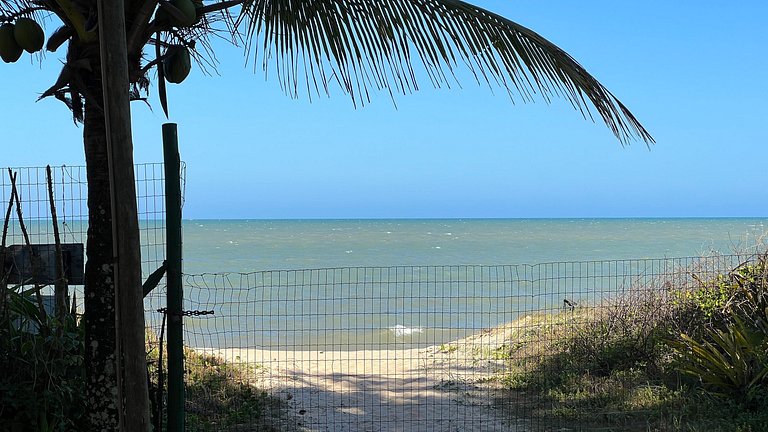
19, 269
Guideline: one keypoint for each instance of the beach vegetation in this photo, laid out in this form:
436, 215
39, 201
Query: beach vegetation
656, 358
42, 385
448, 348
219, 394
728, 354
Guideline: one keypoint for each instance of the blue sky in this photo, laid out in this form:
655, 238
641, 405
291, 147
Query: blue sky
693, 72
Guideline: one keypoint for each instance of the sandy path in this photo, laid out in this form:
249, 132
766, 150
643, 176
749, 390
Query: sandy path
442, 388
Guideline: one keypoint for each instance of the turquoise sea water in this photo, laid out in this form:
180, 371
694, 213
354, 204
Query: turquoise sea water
254, 245
367, 284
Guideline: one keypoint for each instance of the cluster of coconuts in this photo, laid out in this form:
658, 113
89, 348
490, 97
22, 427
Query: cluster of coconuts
177, 64
23, 35
27, 35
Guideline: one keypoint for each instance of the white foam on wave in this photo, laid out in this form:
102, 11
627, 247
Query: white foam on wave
400, 330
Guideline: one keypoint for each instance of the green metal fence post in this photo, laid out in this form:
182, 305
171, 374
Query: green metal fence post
173, 278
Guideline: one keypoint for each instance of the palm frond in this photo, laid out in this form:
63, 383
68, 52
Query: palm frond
10, 8
381, 44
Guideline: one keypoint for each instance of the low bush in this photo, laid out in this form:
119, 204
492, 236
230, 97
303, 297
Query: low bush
219, 396
728, 353
658, 358
42, 386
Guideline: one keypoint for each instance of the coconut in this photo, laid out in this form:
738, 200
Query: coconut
29, 35
187, 10
198, 5
177, 65
10, 51
187, 7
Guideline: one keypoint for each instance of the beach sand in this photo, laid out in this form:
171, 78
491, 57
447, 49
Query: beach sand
438, 388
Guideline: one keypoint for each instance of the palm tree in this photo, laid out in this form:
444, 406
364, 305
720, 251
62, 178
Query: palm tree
359, 46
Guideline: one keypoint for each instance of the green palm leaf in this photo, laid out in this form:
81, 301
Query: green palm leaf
380, 44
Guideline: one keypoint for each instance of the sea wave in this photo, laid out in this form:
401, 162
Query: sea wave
400, 330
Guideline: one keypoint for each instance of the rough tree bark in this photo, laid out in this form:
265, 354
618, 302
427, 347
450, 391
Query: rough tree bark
101, 336
101, 344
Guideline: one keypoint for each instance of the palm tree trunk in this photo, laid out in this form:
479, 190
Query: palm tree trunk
103, 367
100, 336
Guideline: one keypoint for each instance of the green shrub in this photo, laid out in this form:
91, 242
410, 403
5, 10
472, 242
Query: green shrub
219, 395
42, 387
732, 363
620, 336
743, 292
728, 354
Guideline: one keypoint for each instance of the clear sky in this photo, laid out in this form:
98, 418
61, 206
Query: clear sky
693, 72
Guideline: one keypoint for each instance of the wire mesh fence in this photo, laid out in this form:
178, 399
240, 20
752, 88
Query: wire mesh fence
69, 186
409, 348
446, 348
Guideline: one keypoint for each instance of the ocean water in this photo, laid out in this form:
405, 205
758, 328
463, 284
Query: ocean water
255, 245
368, 284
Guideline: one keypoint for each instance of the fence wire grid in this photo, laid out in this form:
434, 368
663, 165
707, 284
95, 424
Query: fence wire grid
70, 192
446, 348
